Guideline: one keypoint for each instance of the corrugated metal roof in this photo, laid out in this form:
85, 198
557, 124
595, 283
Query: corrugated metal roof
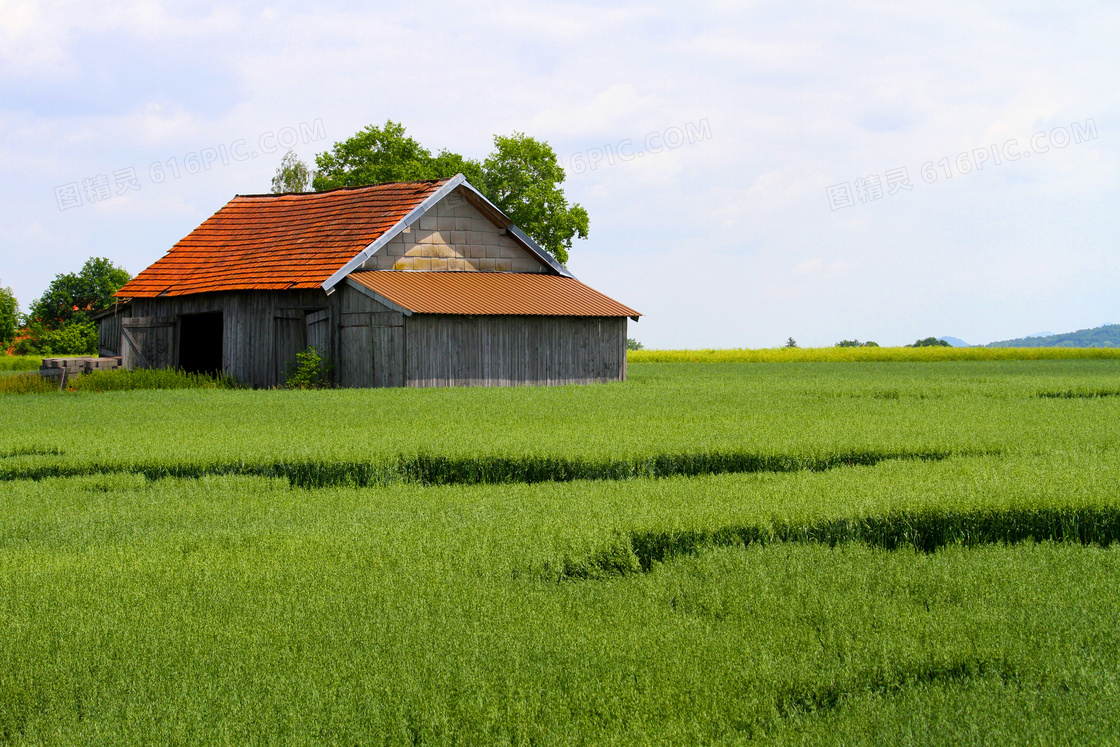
279, 242
531, 294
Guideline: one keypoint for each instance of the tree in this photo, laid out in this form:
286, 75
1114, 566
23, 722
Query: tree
930, 342
790, 343
376, 155
9, 317
632, 344
522, 176
73, 297
292, 175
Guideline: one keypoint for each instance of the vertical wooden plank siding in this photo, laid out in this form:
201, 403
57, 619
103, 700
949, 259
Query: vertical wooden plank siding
373, 345
290, 335
147, 342
109, 332
446, 350
249, 351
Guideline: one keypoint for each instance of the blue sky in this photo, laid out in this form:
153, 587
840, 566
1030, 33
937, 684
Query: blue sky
746, 182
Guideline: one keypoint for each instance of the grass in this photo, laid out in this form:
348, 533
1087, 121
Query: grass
866, 355
820, 553
121, 380
20, 362
14, 382
683, 419
118, 380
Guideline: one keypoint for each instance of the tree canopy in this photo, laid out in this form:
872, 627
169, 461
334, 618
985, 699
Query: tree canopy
376, 155
74, 296
9, 316
522, 176
292, 175
930, 342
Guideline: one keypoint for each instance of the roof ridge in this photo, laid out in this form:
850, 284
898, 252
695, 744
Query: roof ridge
346, 189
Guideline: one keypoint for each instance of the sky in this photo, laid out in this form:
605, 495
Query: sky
753, 171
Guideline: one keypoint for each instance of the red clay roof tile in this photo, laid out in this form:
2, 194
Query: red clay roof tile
279, 242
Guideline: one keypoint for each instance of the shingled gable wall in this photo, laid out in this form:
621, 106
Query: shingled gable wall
454, 236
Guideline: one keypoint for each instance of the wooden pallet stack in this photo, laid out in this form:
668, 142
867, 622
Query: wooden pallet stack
65, 369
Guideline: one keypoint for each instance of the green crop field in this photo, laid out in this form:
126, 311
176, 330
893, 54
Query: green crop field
710, 553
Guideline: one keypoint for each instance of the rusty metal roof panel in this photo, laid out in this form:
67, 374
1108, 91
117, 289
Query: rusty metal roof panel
489, 293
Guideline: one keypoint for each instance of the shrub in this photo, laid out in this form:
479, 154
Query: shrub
309, 371
79, 337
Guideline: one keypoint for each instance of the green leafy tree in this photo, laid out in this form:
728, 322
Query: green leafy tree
632, 344
292, 175
790, 343
930, 342
76, 296
523, 178
376, 155
9, 316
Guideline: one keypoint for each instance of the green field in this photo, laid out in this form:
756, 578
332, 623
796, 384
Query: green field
724, 553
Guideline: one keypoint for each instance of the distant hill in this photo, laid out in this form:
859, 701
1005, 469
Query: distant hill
1107, 336
955, 342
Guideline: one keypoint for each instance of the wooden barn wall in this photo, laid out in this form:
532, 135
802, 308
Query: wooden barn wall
371, 345
109, 332
261, 329
444, 350
371, 342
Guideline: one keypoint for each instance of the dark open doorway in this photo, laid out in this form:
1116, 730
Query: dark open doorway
200, 343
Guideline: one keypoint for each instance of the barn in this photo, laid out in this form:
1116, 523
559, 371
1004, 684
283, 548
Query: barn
405, 284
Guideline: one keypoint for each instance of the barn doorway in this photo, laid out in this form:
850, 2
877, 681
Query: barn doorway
200, 343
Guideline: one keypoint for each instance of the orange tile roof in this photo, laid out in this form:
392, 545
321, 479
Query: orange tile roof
279, 242
532, 294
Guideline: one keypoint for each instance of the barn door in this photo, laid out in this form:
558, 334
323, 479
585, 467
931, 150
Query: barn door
319, 331
289, 338
355, 353
387, 332
147, 341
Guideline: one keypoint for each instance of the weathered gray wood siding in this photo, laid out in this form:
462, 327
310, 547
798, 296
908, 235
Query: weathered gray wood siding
148, 342
371, 342
109, 332
372, 345
262, 330
445, 350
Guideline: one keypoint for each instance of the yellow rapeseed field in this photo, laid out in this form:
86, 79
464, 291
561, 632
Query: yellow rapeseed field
861, 354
